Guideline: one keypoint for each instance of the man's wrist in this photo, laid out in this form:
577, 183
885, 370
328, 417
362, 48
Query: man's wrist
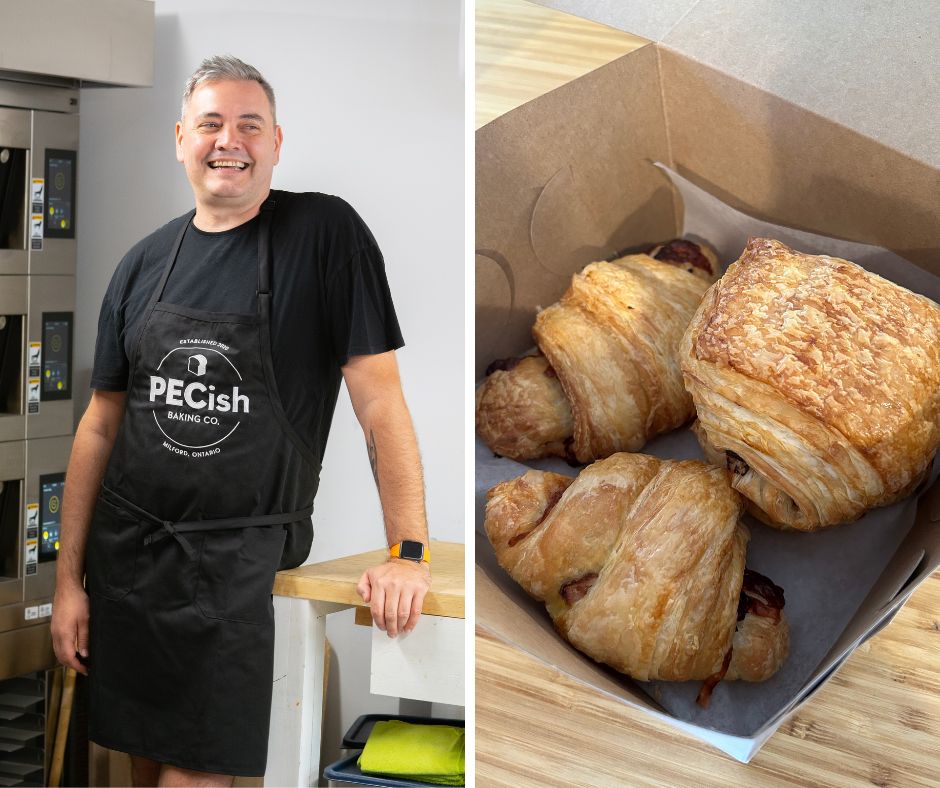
69, 584
417, 564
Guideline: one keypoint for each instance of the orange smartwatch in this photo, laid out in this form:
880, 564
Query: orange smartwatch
410, 551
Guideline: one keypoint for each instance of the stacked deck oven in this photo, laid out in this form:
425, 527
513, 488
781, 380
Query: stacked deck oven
38, 171
50, 51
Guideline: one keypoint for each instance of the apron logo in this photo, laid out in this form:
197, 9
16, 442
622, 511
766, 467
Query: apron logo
196, 398
197, 364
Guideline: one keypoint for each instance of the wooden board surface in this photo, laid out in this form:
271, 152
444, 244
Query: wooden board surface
877, 722
335, 581
524, 50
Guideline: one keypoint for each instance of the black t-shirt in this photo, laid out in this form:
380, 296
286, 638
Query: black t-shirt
330, 298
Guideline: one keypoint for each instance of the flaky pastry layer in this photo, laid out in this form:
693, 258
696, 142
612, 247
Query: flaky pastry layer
522, 412
640, 563
816, 382
610, 348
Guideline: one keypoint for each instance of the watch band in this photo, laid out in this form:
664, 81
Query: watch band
395, 551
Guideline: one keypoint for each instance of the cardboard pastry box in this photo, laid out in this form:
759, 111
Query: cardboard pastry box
775, 109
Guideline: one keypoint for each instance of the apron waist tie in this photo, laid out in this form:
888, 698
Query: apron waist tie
176, 530
169, 530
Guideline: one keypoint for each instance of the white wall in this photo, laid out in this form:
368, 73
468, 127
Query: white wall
370, 98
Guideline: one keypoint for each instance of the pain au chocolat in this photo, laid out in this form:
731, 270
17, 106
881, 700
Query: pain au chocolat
816, 384
640, 562
607, 376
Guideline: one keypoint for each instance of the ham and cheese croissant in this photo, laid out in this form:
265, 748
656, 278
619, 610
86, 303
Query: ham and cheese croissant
640, 563
607, 378
816, 383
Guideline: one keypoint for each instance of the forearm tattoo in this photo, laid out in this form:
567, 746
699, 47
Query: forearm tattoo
373, 458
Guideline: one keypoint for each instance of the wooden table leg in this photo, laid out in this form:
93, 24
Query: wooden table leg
297, 699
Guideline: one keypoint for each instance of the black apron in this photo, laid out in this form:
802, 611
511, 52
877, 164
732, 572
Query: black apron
204, 480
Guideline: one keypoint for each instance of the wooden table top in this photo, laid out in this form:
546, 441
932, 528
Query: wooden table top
335, 581
524, 50
877, 722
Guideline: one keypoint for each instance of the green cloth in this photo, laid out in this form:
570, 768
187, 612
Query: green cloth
406, 751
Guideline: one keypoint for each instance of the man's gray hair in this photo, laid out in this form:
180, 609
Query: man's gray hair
219, 67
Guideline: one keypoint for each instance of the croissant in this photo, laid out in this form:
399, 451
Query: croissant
607, 378
816, 383
640, 563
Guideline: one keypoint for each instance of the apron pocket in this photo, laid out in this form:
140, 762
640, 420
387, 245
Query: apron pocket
111, 556
236, 573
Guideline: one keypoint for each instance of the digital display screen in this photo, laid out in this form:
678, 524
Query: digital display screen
60, 194
56, 355
51, 487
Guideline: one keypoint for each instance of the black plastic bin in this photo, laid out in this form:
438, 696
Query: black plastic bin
359, 731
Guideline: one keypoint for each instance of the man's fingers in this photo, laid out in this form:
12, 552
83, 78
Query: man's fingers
392, 595
397, 596
378, 607
64, 647
69, 629
83, 638
76, 664
79, 641
58, 648
417, 602
364, 587
402, 611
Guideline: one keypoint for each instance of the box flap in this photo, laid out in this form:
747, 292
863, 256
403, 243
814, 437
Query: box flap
768, 158
561, 182
873, 68
640, 17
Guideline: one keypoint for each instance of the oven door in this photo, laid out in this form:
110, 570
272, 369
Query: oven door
14, 190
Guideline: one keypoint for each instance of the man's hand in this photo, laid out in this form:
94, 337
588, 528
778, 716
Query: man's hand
70, 626
395, 592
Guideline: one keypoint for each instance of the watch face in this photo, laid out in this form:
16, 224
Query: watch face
413, 551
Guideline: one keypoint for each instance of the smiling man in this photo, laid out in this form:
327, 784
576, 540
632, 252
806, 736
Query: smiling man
222, 342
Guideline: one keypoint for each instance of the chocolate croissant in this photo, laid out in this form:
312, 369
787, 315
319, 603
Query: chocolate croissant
816, 383
640, 563
607, 378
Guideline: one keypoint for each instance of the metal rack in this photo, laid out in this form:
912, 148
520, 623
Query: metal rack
23, 729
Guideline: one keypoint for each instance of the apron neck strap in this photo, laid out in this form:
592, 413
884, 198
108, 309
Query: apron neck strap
264, 249
171, 262
264, 255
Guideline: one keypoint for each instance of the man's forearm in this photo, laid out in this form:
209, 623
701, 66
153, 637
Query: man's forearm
396, 465
394, 590
87, 463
